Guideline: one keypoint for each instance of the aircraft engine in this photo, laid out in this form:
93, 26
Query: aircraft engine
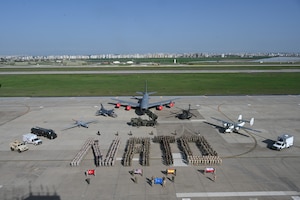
171, 104
159, 107
128, 107
118, 105
228, 130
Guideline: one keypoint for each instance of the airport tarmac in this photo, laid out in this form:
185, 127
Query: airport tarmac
250, 170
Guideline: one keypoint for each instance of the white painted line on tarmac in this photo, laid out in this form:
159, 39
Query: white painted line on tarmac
182, 121
198, 120
178, 162
237, 194
133, 159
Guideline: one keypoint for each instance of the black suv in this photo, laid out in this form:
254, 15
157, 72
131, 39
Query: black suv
49, 133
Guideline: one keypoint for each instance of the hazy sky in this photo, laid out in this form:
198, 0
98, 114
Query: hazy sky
55, 27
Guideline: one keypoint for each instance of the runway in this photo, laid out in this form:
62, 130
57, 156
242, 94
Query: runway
150, 72
249, 170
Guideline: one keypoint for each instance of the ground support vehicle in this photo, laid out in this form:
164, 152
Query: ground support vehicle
18, 146
144, 122
31, 139
48, 133
283, 141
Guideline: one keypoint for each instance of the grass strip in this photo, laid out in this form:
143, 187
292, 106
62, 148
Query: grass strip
134, 68
164, 84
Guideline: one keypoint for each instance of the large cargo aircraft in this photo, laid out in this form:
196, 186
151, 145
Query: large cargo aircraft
143, 102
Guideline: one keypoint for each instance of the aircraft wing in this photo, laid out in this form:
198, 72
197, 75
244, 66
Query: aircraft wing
222, 121
250, 129
93, 121
75, 125
99, 112
126, 103
161, 103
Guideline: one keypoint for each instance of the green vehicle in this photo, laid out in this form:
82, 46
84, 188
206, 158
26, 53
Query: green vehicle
144, 122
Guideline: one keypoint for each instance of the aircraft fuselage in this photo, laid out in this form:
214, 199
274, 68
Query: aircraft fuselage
144, 105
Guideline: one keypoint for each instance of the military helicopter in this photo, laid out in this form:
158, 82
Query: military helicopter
185, 113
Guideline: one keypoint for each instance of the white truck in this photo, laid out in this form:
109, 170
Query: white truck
31, 139
283, 141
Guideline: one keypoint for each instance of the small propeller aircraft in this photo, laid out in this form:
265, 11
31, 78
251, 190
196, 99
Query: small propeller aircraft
230, 127
104, 112
79, 123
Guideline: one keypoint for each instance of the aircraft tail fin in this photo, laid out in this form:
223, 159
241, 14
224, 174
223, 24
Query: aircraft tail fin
146, 89
151, 93
251, 121
146, 86
240, 118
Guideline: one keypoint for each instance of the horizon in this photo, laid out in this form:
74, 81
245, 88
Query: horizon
167, 55
99, 27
